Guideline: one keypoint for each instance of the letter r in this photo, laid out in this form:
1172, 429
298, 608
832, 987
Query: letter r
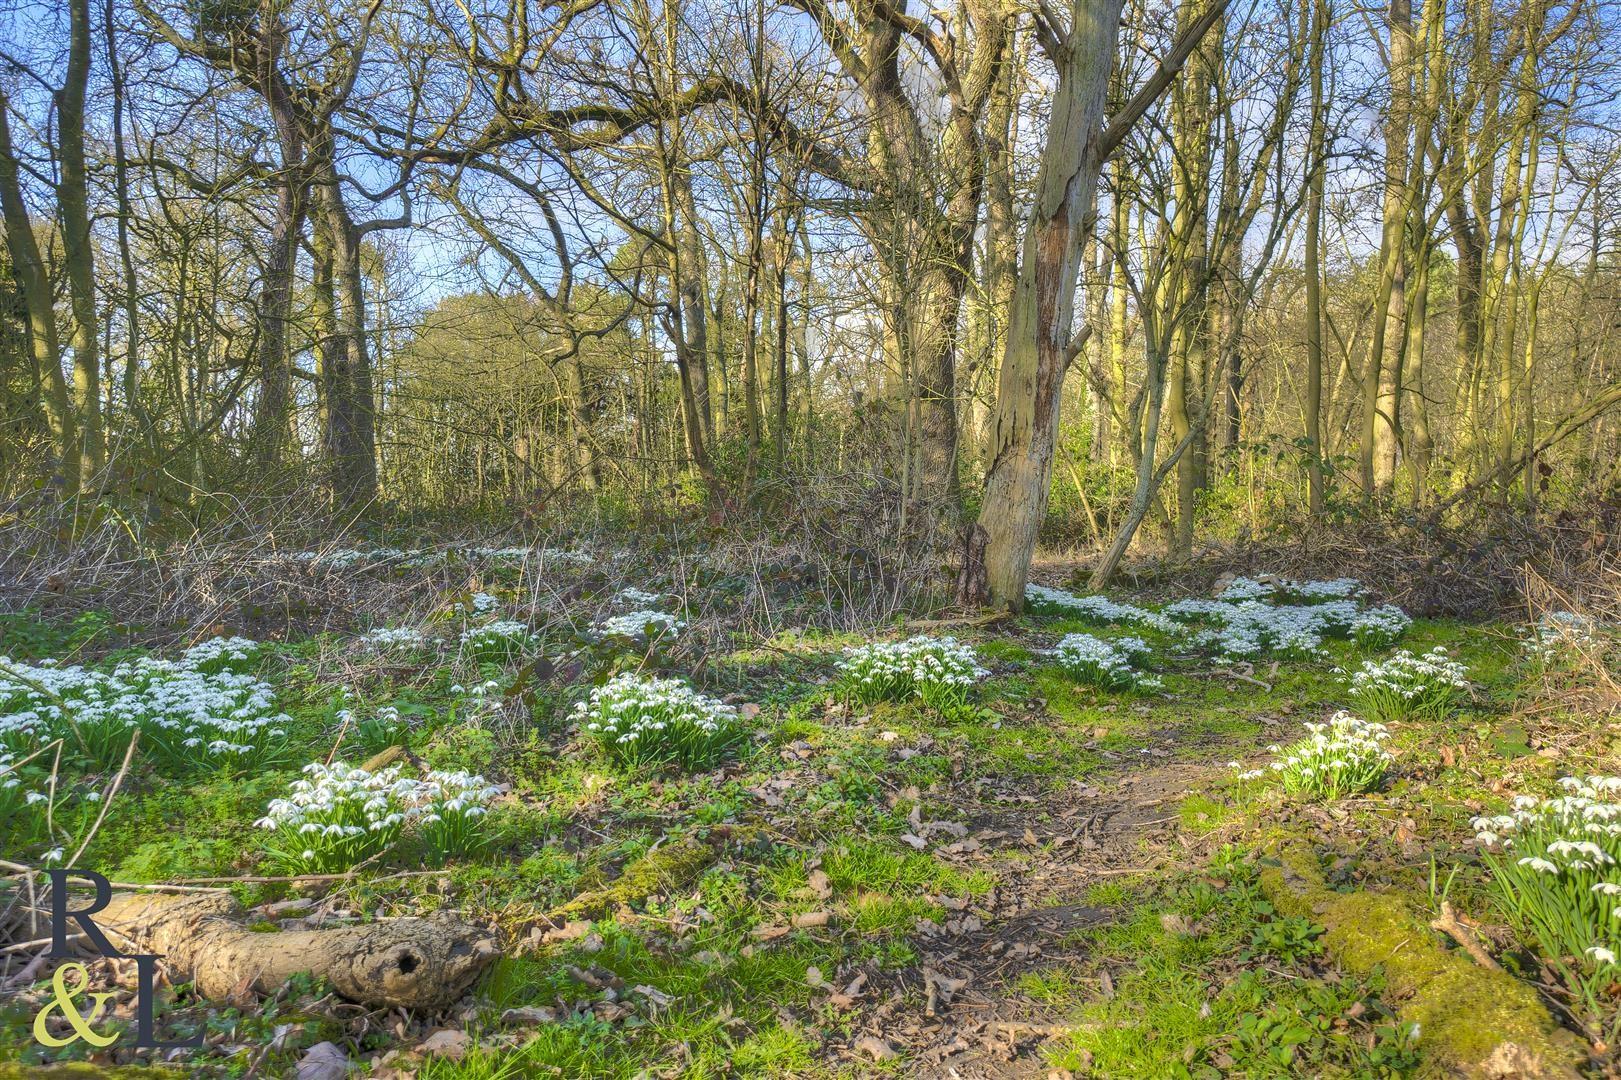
60, 913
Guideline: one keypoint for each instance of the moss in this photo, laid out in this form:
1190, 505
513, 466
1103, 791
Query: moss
78, 1070
660, 870
1470, 1018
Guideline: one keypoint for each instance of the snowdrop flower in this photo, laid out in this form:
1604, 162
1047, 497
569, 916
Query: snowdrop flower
650, 720
1344, 756
400, 637
642, 625
1105, 663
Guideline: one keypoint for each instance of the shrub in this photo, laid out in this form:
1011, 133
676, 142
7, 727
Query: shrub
1554, 874
940, 672
652, 722
1408, 686
1107, 664
1345, 756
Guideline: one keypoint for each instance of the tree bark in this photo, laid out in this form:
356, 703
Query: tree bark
399, 963
1024, 425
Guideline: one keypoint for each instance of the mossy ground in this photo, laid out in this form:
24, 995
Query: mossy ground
1079, 860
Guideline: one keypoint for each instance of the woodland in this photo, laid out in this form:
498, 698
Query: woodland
812, 538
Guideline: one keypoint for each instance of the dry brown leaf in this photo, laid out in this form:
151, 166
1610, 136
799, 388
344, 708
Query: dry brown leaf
450, 1043
878, 1048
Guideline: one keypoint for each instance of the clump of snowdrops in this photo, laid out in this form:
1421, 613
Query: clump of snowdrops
940, 672
1104, 663
339, 816
1345, 756
654, 722
197, 713
1558, 637
497, 641
645, 625
1095, 608
394, 639
1409, 686
1555, 867
42, 809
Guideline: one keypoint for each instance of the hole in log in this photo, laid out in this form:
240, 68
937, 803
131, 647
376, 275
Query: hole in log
408, 962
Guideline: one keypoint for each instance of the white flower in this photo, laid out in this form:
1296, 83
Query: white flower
643, 624
1106, 663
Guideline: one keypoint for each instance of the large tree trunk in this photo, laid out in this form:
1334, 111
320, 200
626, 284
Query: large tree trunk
273, 414
34, 283
1381, 419
1024, 425
1317, 149
354, 446
77, 246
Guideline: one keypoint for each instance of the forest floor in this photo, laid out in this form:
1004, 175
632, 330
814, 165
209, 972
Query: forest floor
1061, 881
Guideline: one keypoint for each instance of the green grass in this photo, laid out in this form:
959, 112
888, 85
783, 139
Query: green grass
1204, 978
1189, 997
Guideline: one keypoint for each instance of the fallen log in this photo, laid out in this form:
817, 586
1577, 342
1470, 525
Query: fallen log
412, 963
1473, 1020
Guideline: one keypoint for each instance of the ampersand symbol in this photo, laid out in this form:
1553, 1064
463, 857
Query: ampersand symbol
63, 999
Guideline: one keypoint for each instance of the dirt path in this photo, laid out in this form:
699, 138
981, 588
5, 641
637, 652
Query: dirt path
1047, 852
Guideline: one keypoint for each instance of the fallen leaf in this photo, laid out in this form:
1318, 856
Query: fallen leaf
878, 1048
451, 1043
807, 920
529, 1014
1175, 924
569, 931
656, 996
323, 1061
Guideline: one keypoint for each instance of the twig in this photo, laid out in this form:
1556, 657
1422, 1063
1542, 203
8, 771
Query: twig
1450, 925
112, 793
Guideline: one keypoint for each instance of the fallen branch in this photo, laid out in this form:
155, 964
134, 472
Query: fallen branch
407, 963
1454, 928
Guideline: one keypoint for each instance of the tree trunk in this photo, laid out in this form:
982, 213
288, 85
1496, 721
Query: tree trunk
77, 244
33, 282
1024, 425
1317, 149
